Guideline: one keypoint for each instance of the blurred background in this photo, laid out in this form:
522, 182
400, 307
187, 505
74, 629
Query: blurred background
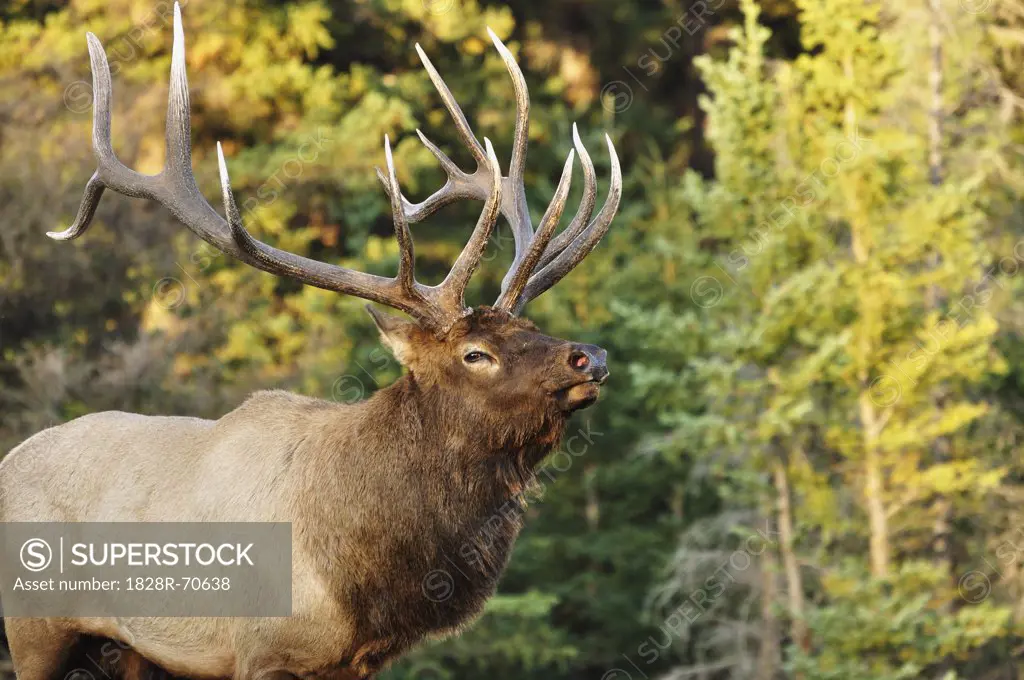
807, 464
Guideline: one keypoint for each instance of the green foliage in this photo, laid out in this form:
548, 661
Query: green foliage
844, 347
899, 632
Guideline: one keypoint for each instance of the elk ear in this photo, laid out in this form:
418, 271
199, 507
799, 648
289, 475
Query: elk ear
397, 333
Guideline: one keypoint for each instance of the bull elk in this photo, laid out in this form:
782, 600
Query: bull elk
378, 492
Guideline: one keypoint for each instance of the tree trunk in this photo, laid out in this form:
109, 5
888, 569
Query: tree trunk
878, 521
768, 657
871, 423
794, 582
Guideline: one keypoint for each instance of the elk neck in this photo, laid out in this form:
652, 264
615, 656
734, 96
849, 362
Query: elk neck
490, 456
414, 482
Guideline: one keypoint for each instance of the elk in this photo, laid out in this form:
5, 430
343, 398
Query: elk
378, 492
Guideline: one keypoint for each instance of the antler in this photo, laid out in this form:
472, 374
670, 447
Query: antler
437, 307
540, 261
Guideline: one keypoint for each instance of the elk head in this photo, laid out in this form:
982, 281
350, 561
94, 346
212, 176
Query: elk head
493, 362
488, 355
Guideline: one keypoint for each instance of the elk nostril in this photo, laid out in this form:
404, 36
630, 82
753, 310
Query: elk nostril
579, 360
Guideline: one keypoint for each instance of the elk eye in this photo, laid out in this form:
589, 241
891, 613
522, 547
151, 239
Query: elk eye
474, 356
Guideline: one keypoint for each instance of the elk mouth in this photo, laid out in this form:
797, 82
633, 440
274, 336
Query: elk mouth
579, 395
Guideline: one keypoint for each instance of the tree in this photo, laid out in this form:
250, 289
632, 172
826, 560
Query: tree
835, 323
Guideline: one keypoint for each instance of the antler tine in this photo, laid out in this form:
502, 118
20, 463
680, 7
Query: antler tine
520, 272
522, 131
586, 209
518, 214
178, 130
583, 244
450, 103
406, 259
454, 285
110, 171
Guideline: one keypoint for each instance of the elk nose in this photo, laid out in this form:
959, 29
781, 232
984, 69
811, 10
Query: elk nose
589, 359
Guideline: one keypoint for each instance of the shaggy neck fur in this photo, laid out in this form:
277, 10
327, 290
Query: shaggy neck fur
437, 489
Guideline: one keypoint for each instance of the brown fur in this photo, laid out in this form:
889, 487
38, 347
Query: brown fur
422, 480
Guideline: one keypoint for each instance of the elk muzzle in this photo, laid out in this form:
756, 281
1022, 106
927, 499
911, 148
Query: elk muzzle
590, 361
589, 366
